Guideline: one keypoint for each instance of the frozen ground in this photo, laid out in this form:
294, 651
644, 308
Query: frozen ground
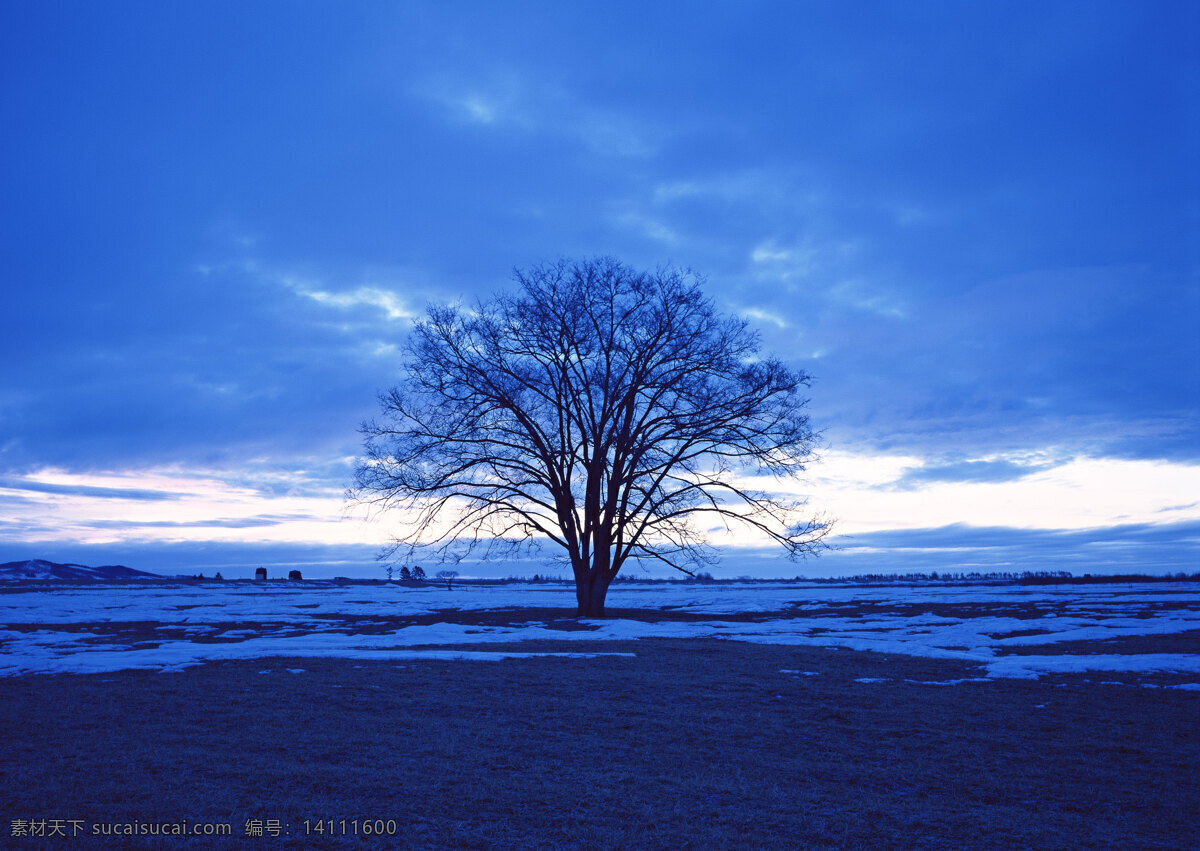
1010, 631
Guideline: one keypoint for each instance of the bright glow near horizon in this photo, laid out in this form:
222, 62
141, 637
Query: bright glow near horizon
863, 493
1082, 493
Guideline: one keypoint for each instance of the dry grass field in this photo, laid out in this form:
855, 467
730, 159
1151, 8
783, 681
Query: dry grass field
692, 743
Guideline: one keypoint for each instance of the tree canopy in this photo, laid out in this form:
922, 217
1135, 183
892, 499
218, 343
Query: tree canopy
605, 410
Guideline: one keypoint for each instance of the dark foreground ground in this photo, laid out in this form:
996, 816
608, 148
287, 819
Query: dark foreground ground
692, 744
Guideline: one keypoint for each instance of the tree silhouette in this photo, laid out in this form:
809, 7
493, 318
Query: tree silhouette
600, 408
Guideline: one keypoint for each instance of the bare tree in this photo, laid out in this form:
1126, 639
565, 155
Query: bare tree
603, 409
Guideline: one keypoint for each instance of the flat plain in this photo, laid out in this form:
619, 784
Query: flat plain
763, 716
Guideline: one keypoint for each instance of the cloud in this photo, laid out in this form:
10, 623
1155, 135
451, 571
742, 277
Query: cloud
868, 492
981, 225
253, 522
1140, 548
647, 227
760, 315
1087, 358
242, 506
21, 484
792, 186
926, 347
387, 301
1184, 507
385, 298
993, 470
1129, 548
861, 296
479, 109
238, 362
504, 99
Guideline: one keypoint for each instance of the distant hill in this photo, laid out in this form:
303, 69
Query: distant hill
38, 569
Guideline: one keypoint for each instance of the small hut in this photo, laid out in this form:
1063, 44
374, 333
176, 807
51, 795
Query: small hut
261, 573
294, 575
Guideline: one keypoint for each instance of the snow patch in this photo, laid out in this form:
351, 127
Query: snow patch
81, 628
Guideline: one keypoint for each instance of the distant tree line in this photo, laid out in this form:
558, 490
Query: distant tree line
1027, 577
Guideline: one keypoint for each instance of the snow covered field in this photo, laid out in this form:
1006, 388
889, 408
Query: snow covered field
1010, 631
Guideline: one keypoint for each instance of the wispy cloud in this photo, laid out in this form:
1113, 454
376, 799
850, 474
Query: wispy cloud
759, 314
254, 522
11, 483
478, 108
861, 296
870, 492
503, 99
213, 505
385, 298
647, 226
975, 470
959, 547
391, 304
773, 188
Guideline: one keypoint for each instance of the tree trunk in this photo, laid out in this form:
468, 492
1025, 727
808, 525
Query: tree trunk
590, 591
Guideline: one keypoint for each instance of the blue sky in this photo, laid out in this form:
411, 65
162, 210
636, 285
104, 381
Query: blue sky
977, 224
